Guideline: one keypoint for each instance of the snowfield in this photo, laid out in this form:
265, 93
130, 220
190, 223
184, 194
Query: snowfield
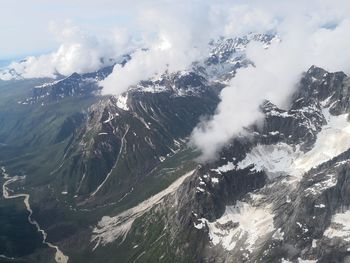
241, 224
246, 224
283, 159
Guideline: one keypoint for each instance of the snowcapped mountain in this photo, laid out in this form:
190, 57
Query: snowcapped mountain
226, 56
113, 179
153, 120
75, 85
277, 193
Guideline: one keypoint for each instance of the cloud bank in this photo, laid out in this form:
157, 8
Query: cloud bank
78, 52
174, 34
306, 40
173, 37
177, 34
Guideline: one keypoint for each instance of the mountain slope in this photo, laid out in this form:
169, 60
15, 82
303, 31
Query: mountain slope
277, 194
134, 133
87, 158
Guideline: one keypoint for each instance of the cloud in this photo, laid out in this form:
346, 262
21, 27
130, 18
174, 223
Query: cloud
173, 36
276, 71
272, 77
312, 32
244, 19
186, 27
176, 33
145, 64
78, 52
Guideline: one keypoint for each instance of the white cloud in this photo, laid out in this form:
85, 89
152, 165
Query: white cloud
145, 64
331, 47
186, 27
244, 19
174, 36
78, 52
272, 78
275, 75
177, 32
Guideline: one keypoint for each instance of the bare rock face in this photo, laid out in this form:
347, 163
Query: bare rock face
281, 193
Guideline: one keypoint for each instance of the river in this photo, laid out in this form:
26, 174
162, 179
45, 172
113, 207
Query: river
59, 256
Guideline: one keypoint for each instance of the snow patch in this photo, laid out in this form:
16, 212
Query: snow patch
111, 117
122, 102
152, 88
306, 260
201, 223
283, 159
215, 180
278, 235
320, 206
224, 168
332, 140
323, 185
200, 190
241, 224
339, 227
275, 160
274, 133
